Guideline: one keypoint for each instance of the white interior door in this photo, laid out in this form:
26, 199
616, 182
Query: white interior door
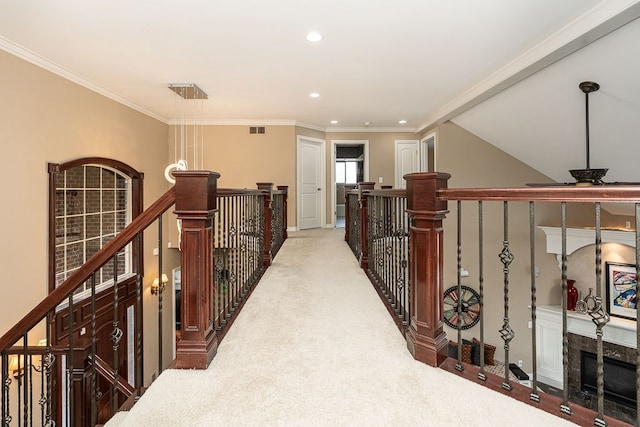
407, 160
310, 182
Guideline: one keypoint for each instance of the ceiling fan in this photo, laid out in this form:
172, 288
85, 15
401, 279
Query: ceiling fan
587, 176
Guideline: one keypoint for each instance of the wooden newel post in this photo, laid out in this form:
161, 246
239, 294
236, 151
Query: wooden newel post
195, 207
364, 222
267, 188
285, 196
426, 339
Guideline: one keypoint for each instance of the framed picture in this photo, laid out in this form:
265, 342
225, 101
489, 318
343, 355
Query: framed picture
622, 295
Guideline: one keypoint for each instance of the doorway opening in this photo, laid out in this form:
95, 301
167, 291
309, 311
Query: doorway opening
349, 165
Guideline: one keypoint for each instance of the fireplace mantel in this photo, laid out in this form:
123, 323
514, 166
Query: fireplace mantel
580, 237
617, 331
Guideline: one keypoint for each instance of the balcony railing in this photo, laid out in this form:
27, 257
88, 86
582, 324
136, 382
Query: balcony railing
427, 198
99, 369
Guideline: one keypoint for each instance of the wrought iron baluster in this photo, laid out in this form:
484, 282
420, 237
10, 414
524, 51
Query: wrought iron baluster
31, 368
70, 367
49, 360
506, 331
600, 318
532, 239
139, 361
23, 374
160, 292
459, 365
564, 407
94, 378
405, 262
42, 400
116, 336
6, 384
481, 374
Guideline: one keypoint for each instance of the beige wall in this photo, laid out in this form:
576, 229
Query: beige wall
473, 162
46, 118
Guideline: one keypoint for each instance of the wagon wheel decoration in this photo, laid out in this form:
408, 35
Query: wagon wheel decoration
470, 301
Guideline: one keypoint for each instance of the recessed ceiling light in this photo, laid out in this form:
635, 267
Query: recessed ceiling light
334, 122
403, 122
314, 37
314, 94
367, 123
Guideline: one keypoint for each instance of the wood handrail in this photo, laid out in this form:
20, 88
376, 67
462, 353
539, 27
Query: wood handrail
237, 191
104, 370
592, 194
387, 193
57, 296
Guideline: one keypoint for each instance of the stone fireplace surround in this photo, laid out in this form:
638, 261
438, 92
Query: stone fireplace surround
578, 343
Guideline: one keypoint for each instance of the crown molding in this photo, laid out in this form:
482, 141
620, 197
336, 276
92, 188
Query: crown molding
371, 129
46, 64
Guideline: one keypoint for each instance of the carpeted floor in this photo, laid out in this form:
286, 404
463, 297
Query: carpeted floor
314, 346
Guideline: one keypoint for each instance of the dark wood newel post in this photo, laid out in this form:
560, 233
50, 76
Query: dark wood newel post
364, 222
195, 207
285, 191
426, 338
267, 188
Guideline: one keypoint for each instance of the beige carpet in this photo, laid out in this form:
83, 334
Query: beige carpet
314, 346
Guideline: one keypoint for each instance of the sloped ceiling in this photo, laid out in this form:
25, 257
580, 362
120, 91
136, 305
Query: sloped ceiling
498, 68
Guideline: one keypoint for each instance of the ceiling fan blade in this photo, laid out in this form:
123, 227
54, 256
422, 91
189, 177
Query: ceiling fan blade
621, 183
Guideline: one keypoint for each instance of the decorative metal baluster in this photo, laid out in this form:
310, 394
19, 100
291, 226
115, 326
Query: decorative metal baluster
404, 264
94, 339
506, 332
160, 292
459, 365
532, 239
25, 380
637, 232
600, 318
31, 368
49, 360
70, 385
139, 362
42, 401
6, 384
564, 407
481, 375
116, 336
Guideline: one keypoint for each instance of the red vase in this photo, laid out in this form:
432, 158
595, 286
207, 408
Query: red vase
572, 295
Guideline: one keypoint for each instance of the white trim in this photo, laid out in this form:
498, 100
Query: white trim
424, 149
46, 64
601, 20
332, 192
400, 129
323, 177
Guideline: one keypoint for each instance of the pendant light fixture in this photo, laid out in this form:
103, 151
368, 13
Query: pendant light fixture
188, 134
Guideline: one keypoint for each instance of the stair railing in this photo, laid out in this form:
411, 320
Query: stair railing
222, 259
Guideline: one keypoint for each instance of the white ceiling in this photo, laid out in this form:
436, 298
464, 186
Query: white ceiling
380, 61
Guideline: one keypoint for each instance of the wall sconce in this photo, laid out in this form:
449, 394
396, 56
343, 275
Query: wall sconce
156, 288
16, 366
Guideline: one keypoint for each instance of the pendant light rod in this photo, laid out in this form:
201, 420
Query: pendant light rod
587, 88
188, 90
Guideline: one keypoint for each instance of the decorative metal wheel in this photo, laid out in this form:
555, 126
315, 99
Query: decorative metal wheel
470, 301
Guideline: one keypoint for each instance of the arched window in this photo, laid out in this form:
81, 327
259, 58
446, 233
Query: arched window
91, 201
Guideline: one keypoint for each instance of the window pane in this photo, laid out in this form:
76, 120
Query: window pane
93, 177
352, 172
340, 172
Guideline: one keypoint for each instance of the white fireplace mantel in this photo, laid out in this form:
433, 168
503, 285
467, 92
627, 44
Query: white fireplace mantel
580, 237
617, 331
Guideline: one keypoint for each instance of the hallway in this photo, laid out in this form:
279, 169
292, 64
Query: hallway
314, 345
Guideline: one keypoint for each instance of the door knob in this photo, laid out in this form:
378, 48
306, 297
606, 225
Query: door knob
319, 189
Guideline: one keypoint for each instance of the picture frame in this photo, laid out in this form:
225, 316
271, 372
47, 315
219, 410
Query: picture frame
622, 294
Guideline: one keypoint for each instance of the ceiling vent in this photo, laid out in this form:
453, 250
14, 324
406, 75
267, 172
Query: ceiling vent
257, 130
